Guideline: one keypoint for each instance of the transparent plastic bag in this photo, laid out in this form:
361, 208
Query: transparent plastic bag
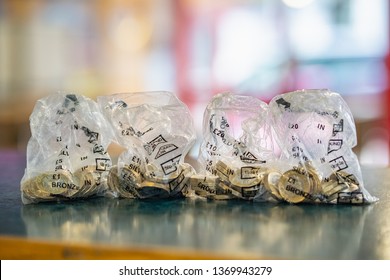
316, 132
235, 148
67, 152
157, 131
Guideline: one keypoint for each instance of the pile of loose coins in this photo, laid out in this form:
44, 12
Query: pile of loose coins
51, 186
129, 183
229, 183
296, 185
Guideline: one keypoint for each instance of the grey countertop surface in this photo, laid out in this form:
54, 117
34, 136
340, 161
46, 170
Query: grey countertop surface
242, 228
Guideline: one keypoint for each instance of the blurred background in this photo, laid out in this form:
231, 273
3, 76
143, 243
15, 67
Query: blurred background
197, 49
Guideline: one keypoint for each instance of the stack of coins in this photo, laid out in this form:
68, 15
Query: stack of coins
210, 186
122, 183
295, 186
247, 176
49, 186
156, 186
170, 185
299, 184
243, 182
303, 184
223, 171
337, 187
204, 185
270, 182
315, 179
62, 184
131, 184
88, 180
350, 198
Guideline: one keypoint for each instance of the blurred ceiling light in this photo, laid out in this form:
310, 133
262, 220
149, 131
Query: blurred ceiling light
311, 35
131, 34
245, 42
297, 4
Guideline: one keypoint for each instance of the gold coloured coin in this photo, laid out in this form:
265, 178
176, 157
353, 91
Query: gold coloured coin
117, 186
345, 177
310, 171
128, 174
204, 185
246, 176
348, 179
315, 179
223, 170
155, 174
130, 182
88, 179
294, 187
149, 189
163, 179
329, 183
223, 192
113, 179
167, 185
353, 188
339, 182
57, 183
333, 193
247, 193
271, 181
32, 193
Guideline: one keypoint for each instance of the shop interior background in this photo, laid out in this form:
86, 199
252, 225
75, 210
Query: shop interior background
197, 49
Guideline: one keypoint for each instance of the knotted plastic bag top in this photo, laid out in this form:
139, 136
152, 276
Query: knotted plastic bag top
66, 154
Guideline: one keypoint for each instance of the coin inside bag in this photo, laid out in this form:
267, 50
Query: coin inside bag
67, 152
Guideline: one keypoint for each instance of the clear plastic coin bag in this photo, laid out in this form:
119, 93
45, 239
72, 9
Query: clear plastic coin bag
316, 132
156, 131
235, 148
67, 153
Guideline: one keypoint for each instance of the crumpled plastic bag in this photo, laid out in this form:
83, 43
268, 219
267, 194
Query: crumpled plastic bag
235, 148
67, 153
157, 131
316, 132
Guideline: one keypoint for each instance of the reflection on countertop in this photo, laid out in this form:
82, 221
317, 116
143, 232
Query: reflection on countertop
231, 227
222, 227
